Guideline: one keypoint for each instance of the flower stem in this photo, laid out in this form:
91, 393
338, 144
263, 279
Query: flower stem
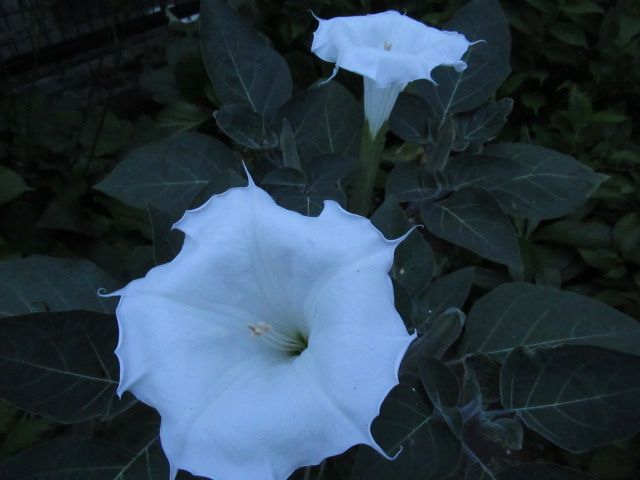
370, 154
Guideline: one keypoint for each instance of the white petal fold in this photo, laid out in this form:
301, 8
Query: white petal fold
233, 406
388, 48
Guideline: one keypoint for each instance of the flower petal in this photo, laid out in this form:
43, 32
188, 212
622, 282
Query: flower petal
389, 48
232, 405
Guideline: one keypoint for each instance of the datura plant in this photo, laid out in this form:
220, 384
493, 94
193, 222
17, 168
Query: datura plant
356, 291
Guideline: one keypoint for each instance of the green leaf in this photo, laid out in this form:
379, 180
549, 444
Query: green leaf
11, 185
329, 170
88, 459
476, 128
413, 262
288, 147
488, 61
246, 127
222, 182
437, 337
305, 201
440, 383
38, 283
576, 396
285, 176
181, 116
242, 67
569, 33
60, 365
409, 119
507, 432
325, 120
406, 185
471, 219
527, 180
446, 292
578, 234
429, 450
169, 173
481, 378
520, 314
167, 242
541, 471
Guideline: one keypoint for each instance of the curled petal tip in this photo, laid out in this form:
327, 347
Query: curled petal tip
250, 183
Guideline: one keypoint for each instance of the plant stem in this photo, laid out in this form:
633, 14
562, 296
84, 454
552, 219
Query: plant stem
370, 155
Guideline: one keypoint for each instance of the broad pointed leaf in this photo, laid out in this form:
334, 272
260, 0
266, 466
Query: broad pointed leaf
77, 458
471, 219
60, 365
169, 173
520, 314
429, 450
39, 284
325, 120
527, 180
577, 396
242, 67
488, 61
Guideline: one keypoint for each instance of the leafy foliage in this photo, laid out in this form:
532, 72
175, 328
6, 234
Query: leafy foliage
516, 285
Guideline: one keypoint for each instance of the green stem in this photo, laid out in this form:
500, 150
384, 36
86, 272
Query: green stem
370, 155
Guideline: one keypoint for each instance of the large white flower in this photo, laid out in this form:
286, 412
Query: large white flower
389, 50
269, 342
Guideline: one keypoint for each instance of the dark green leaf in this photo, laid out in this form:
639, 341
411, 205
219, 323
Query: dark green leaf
222, 182
290, 158
329, 170
569, 33
481, 378
88, 459
471, 219
541, 471
307, 202
325, 120
429, 450
11, 185
38, 284
437, 337
507, 432
446, 292
575, 233
409, 119
168, 174
413, 264
527, 180
577, 396
167, 242
440, 383
476, 128
242, 67
405, 183
520, 314
285, 176
488, 61
246, 127
181, 116
60, 365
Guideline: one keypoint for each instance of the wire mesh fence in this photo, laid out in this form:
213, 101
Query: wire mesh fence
41, 39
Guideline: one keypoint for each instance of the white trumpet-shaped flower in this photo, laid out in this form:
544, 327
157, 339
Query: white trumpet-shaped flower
269, 342
389, 50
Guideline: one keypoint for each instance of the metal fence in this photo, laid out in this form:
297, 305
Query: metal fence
43, 39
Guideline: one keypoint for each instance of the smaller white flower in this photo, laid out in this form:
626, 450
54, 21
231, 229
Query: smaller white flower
389, 50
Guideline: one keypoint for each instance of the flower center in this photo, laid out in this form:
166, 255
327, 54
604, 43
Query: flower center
387, 46
291, 344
